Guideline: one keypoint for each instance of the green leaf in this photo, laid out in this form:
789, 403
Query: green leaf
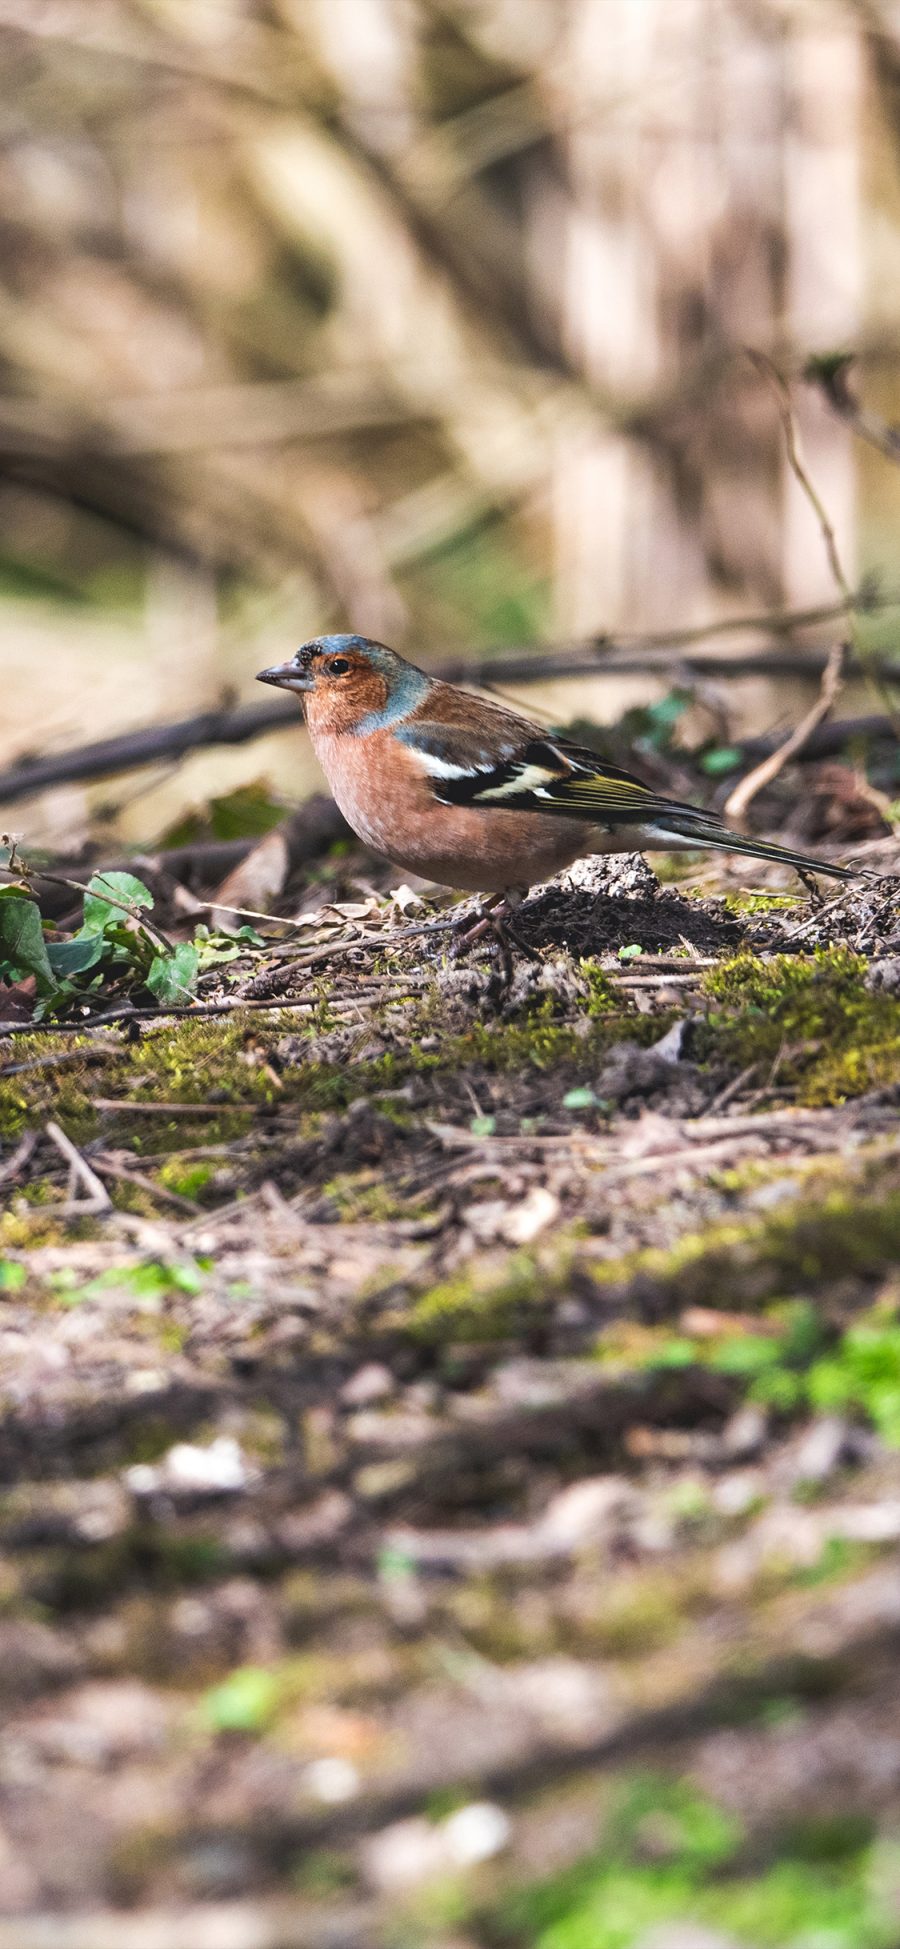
22, 944
579, 1099
723, 758
244, 1702
483, 1126
216, 949
746, 1354
73, 957
173, 977
628, 953
106, 894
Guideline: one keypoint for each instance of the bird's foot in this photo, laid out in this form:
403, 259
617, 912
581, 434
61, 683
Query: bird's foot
495, 922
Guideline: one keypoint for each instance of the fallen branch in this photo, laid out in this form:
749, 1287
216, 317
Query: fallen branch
597, 655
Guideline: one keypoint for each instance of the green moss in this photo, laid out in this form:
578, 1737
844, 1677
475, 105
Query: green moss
187, 1179
761, 903
862, 1373
804, 1246
670, 1855
363, 1197
639, 1615
831, 1037
603, 996
478, 1306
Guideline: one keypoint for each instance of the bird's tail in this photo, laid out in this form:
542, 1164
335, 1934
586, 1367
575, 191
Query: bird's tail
683, 826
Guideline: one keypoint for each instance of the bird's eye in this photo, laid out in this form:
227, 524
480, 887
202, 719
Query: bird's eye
337, 666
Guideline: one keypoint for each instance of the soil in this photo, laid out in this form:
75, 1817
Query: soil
431, 1393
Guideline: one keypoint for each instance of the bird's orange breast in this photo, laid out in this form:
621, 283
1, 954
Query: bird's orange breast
387, 799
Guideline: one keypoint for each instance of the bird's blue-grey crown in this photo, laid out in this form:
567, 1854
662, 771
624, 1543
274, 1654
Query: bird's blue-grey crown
406, 686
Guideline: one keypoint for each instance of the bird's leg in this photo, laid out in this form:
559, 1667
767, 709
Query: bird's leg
504, 920
495, 919
469, 936
814, 891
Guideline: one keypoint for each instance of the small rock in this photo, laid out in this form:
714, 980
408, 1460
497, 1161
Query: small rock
670, 1045
104, 1512
738, 1492
612, 875
876, 1522
413, 1851
486, 1220
332, 1780
306, 1529
821, 1450
584, 1512
744, 1435
19, 1885
100, 1724
475, 1833
374, 1382
523, 1222
407, 1852
884, 975
189, 1470
570, 1702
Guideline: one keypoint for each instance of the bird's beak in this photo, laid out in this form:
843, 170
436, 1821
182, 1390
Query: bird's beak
286, 676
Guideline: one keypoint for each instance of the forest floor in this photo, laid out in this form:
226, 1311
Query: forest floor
450, 1437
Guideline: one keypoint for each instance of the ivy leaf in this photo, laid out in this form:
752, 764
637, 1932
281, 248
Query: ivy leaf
22, 943
74, 957
99, 910
173, 977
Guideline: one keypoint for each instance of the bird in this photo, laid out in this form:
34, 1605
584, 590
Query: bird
470, 795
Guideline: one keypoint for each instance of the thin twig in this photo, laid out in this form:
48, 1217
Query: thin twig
113, 1168
19, 1158
129, 907
746, 790
241, 1003
770, 371
98, 1198
833, 675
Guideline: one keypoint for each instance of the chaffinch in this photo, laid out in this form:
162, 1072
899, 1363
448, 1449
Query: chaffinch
469, 794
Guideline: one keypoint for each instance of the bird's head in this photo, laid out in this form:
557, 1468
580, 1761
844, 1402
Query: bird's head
349, 683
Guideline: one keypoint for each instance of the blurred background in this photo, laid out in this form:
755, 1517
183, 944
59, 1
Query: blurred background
429, 318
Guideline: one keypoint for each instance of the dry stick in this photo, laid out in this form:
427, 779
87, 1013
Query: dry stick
98, 1199
745, 792
832, 679
833, 379
112, 1167
732, 1089
19, 1158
